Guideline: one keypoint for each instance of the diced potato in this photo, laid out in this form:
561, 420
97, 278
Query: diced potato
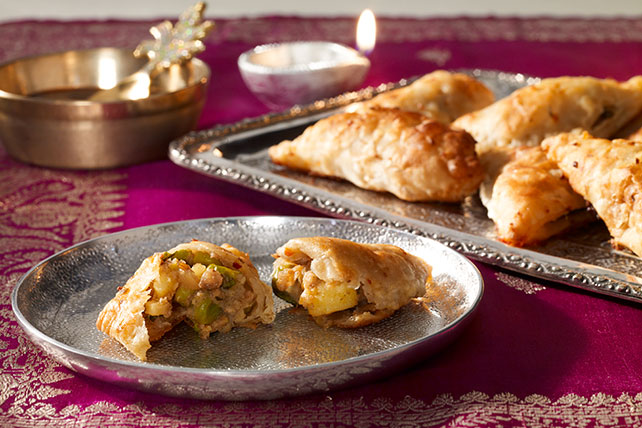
198, 269
189, 279
165, 284
325, 299
162, 307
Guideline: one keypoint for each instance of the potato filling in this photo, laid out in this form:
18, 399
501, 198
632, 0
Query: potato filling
297, 284
197, 288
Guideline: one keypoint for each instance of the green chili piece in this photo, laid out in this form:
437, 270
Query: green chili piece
229, 275
207, 311
283, 295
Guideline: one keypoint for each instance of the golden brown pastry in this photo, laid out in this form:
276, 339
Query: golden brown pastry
440, 95
212, 288
530, 114
532, 200
608, 174
404, 153
345, 284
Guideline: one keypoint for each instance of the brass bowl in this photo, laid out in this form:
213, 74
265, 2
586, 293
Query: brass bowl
46, 120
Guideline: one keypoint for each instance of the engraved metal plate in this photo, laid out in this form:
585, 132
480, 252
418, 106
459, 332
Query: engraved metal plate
58, 301
238, 153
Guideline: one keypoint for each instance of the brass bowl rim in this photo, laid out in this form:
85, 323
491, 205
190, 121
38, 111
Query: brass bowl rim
63, 102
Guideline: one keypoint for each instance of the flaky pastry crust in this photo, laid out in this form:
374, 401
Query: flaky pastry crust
440, 95
608, 174
530, 114
379, 279
531, 199
400, 152
151, 303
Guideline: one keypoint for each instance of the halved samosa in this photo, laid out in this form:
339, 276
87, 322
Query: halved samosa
608, 174
404, 153
212, 288
346, 284
440, 95
530, 114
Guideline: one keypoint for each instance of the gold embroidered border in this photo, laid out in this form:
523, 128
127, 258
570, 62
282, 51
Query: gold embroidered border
42, 211
474, 409
32, 37
521, 284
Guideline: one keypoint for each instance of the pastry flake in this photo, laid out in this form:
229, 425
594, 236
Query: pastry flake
440, 95
213, 288
608, 174
404, 153
346, 284
530, 114
531, 200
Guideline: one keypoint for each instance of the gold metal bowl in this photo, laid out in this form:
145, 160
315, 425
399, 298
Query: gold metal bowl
46, 120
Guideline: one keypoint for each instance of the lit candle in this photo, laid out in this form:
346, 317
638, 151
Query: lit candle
366, 32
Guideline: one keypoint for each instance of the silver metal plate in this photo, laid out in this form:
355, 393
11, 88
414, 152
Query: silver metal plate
238, 153
58, 301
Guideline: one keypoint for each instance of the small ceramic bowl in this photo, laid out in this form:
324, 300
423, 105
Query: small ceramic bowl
285, 74
46, 120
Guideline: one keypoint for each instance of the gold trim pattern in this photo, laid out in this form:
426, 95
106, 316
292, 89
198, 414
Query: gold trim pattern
42, 211
437, 56
474, 409
33, 37
518, 283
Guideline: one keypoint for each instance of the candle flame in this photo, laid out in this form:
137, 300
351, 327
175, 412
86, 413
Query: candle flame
366, 32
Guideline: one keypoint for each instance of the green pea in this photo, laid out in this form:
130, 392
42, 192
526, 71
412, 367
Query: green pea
229, 275
207, 311
185, 255
203, 258
183, 295
284, 266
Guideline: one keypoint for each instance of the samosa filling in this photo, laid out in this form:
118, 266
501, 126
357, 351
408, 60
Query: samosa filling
297, 284
195, 287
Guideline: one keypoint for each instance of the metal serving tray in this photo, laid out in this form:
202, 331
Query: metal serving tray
238, 153
57, 303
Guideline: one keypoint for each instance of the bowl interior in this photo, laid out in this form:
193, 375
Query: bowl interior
74, 75
301, 55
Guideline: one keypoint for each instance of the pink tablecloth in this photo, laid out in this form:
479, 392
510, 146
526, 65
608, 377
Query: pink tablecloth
537, 354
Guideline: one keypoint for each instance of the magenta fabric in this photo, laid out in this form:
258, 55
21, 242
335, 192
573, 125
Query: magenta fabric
536, 354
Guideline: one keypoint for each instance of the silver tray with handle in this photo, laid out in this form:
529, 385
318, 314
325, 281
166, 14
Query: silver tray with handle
238, 153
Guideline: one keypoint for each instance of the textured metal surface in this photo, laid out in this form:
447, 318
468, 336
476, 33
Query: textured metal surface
46, 119
284, 74
238, 153
58, 301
